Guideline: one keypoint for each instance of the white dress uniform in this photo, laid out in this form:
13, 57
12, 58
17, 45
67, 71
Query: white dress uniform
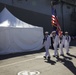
47, 44
67, 41
61, 44
55, 44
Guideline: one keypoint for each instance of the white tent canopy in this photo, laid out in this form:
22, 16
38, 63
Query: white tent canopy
18, 36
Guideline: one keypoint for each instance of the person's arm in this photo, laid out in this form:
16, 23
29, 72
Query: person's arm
49, 40
43, 40
69, 39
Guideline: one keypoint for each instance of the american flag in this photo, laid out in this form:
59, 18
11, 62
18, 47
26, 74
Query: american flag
55, 22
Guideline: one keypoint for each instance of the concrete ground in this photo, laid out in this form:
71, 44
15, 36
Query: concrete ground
14, 63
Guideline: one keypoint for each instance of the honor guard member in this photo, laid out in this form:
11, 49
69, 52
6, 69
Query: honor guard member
67, 41
47, 44
61, 43
55, 43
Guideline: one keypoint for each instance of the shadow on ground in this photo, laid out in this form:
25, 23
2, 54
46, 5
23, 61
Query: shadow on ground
67, 63
6, 56
51, 62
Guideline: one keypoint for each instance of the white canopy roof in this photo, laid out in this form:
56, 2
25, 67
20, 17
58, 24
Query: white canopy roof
18, 36
8, 20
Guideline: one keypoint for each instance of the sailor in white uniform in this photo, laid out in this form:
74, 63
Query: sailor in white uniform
47, 44
67, 41
61, 43
55, 43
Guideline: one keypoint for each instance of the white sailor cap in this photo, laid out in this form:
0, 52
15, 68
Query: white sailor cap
46, 32
53, 32
66, 32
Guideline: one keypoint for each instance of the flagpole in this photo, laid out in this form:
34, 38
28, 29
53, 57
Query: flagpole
51, 9
62, 17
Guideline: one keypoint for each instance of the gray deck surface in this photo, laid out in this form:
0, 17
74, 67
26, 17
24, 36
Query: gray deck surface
11, 65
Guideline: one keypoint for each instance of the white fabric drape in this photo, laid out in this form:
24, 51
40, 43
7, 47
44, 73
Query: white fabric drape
18, 36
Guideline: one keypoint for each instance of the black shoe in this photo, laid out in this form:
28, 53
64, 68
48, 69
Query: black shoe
57, 56
54, 56
48, 58
61, 54
67, 53
44, 57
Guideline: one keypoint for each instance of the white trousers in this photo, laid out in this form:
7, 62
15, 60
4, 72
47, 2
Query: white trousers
61, 48
47, 51
67, 47
55, 49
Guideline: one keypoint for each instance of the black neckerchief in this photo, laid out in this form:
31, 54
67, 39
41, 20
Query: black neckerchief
45, 38
67, 38
61, 39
